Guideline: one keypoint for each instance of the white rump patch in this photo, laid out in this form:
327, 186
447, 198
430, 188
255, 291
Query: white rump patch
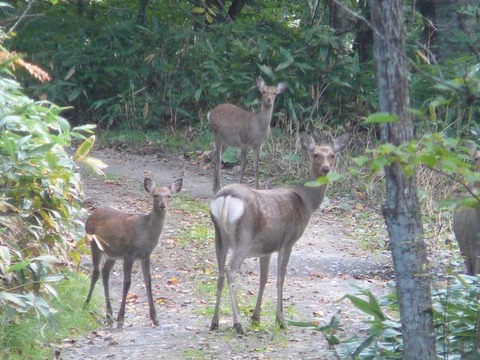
227, 208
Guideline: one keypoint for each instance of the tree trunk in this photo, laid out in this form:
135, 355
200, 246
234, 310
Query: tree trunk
235, 9
401, 210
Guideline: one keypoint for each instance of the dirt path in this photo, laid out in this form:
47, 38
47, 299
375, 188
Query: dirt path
325, 264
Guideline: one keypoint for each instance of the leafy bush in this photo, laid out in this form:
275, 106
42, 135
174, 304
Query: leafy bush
40, 209
455, 311
116, 72
33, 338
455, 305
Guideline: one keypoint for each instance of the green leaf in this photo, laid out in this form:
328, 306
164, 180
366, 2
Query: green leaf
198, 10
361, 160
14, 298
39, 150
370, 308
428, 160
19, 266
379, 118
47, 259
266, 70
85, 147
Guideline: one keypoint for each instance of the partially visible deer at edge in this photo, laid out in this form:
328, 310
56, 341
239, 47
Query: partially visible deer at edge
257, 223
233, 126
128, 237
466, 226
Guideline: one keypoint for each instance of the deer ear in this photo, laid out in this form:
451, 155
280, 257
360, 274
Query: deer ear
340, 142
176, 186
307, 143
282, 87
260, 84
149, 185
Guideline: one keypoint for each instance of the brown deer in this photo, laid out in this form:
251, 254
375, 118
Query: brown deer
233, 126
128, 237
466, 226
257, 223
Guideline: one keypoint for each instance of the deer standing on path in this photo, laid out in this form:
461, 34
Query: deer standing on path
466, 226
233, 126
257, 223
128, 237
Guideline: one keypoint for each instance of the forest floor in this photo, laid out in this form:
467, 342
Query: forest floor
327, 263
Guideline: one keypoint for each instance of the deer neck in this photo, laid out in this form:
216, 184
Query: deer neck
265, 115
156, 221
312, 196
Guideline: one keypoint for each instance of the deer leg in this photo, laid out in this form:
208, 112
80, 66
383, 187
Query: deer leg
264, 264
107, 267
221, 252
148, 285
96, 257
243, 162
217, 164
283, 257
127, 279
256, 158
231, 272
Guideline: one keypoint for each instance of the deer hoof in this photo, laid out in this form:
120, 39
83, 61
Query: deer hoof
155, 322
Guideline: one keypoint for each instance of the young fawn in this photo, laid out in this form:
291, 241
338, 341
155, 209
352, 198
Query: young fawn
257, 223
128, 237
233, 126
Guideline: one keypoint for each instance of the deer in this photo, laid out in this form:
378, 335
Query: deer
236, 127
258, 223
130, 237
466, 225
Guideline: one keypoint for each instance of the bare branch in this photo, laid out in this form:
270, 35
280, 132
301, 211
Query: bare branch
20, 19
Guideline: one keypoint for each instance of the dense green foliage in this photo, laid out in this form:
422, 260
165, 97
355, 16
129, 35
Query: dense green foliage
172, 70
455, 316
33, 338
40, 212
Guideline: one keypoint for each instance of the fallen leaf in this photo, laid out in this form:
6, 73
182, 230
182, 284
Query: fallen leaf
132, 298
173, 281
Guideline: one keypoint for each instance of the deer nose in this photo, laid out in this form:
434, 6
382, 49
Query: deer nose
163, 206
325, 169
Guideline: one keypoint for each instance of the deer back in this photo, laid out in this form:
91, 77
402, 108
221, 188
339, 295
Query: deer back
269, 218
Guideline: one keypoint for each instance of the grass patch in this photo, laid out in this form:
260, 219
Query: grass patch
33, 338
198, 229
192, 354
149, 141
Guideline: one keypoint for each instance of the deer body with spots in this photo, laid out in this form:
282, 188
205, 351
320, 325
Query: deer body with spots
233, 126
258, 223
129, 237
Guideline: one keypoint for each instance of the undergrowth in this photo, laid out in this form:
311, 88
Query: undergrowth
32, 337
